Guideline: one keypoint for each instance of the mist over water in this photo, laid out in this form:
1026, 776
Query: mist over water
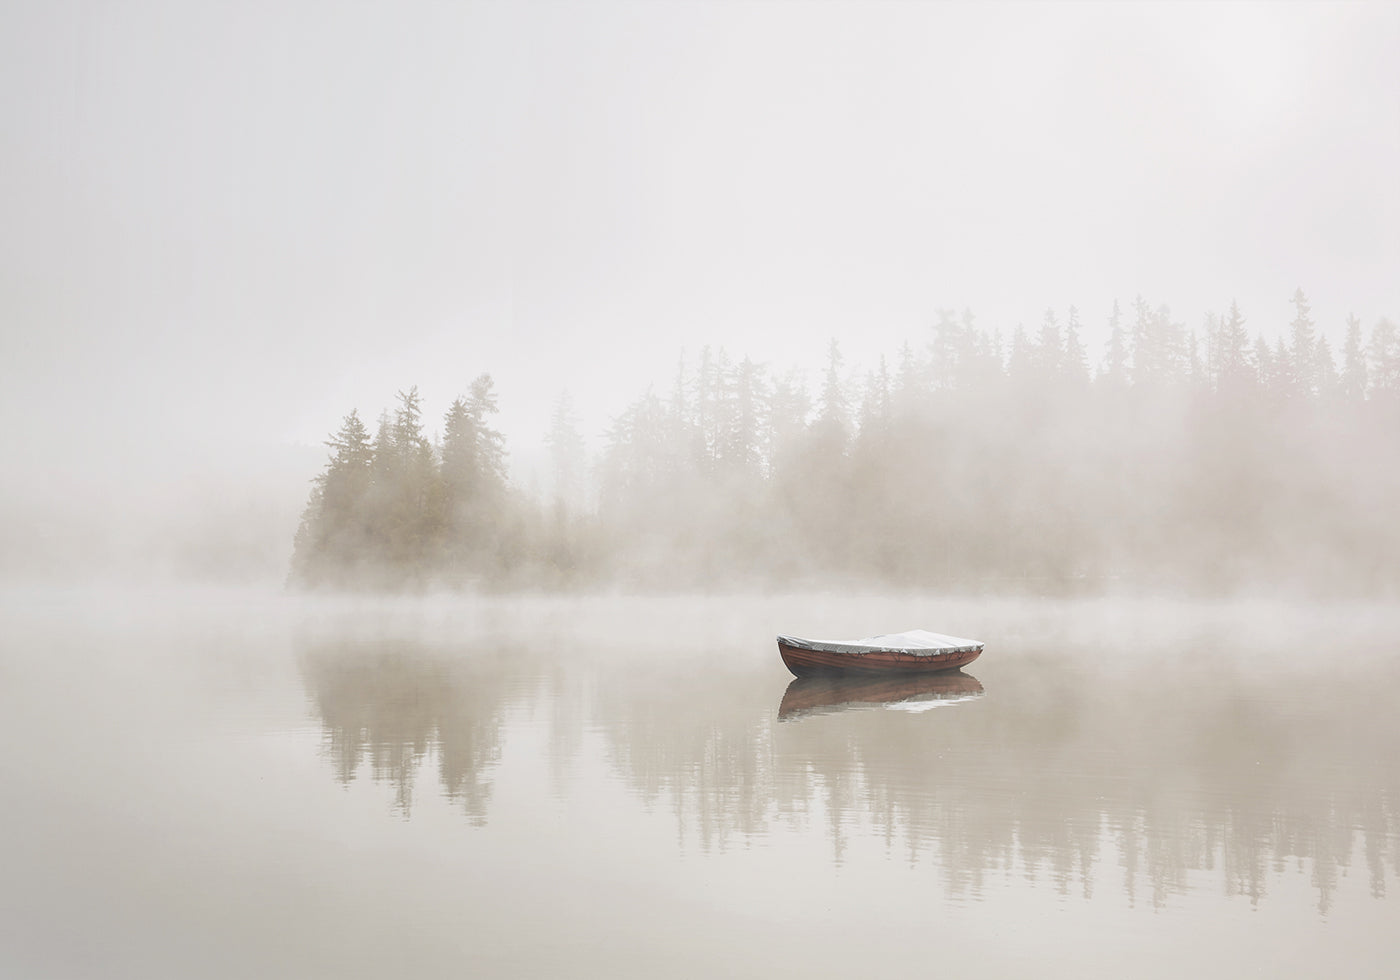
420, 419
232, 782
1202, 465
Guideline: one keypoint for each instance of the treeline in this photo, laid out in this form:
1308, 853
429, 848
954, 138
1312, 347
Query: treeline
395, 509
1207, 461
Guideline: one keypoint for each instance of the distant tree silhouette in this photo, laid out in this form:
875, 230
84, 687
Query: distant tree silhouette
1354, 374
334, 528
1384, 353
1302, 352
1207, 461
834, 407
566, 455
1076, 359
1234, 370
1114, 372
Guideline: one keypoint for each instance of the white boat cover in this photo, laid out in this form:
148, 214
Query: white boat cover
919, 643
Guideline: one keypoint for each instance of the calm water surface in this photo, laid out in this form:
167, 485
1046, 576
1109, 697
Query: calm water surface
206, 784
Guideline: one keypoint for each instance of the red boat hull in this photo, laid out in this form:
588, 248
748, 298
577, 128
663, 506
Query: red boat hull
807, 663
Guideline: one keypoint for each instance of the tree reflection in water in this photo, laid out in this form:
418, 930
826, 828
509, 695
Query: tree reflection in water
1058, 775
1180, 775
394, 703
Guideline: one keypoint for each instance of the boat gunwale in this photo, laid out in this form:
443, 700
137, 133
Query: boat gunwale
864, 649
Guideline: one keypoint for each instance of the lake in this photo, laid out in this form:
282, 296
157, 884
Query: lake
233, 784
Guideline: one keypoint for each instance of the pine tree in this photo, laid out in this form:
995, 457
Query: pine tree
1263, 363
633, 462
751, 396
1213, 328
875, 404
705, 391
473, 481
1196, 375
683, 439
789, 406
739, 426
834, 411
330, 541
1284, 380
909, 392
347, 476
566, 455
1384, 353
1233, 359
1076, 358
1329, 383
1142, 344
978, 364
1049, 351
409, 497
1021, 364
1115, 367
945, 351
1302, 358
1354, 380
491, 445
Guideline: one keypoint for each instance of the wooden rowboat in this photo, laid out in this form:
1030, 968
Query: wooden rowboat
915, 651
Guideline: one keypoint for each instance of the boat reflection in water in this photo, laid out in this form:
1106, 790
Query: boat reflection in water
908, 692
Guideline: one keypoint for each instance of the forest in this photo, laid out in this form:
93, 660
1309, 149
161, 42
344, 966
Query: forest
1206, 462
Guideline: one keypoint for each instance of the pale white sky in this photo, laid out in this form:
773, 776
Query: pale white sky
229, 223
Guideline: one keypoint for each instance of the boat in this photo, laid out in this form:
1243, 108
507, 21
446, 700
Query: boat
913, 651
905, 692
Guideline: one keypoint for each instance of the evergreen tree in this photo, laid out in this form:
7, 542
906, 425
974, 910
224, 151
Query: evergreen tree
705, 391
834, 410
1213, 329
1115, 366
633, 462
409, 498
1385, 359
685, 445
1020, 366
561, 548
1302, 358
1159, 352
875, 404
739, 436
1142, 353
331, 541
789, 407
945, 351
1264, 363
1196, 374
1076, 357
909, 383
566, 455
1283, 382
978, 362
1049, 352
491, 444
473, 482
1235, 369
1354, 379
1328, 382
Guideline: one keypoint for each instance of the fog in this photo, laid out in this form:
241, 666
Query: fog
421, 417
225, 783
225, 227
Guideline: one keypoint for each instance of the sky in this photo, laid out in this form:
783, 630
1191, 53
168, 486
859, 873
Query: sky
224, 225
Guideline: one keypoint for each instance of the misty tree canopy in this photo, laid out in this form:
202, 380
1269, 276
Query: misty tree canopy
1208, 462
